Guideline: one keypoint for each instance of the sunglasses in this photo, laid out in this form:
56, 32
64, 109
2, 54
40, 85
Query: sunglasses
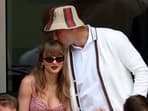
51, 59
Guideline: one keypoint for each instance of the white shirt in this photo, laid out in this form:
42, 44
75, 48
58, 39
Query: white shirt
89, 87
117, 60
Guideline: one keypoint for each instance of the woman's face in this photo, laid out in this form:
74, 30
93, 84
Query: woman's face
53, 64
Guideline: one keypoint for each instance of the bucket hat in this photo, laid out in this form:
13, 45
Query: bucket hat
63, 17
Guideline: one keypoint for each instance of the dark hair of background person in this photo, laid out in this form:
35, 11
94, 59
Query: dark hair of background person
136, 103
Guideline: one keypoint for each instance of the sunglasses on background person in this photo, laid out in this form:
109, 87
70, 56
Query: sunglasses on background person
51, 59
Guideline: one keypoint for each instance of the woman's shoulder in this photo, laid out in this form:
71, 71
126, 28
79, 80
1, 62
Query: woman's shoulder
28, 79
26, 85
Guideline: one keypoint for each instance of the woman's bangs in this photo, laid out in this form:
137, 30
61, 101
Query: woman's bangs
54, 51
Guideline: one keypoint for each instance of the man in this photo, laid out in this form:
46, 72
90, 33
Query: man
8, 103
101, 62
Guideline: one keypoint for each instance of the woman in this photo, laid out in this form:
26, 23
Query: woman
46, 88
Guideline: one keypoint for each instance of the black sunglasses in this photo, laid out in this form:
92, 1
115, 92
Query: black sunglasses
51, 59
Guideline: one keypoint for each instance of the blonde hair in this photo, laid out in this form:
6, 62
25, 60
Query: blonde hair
7, 100
47, 49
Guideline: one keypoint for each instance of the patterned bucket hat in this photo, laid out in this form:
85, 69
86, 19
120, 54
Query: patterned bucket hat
63, 17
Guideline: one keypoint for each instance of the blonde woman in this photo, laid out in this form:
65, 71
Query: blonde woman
46, 88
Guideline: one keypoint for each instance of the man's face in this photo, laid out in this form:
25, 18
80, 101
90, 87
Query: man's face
7, 108
63, 36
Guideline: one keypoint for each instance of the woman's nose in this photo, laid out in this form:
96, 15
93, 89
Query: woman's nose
54, 61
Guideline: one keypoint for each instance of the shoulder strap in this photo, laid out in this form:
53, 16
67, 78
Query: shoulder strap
33, 89
99, 73
74, 81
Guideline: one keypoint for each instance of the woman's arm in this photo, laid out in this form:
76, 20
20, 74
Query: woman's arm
25, 92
